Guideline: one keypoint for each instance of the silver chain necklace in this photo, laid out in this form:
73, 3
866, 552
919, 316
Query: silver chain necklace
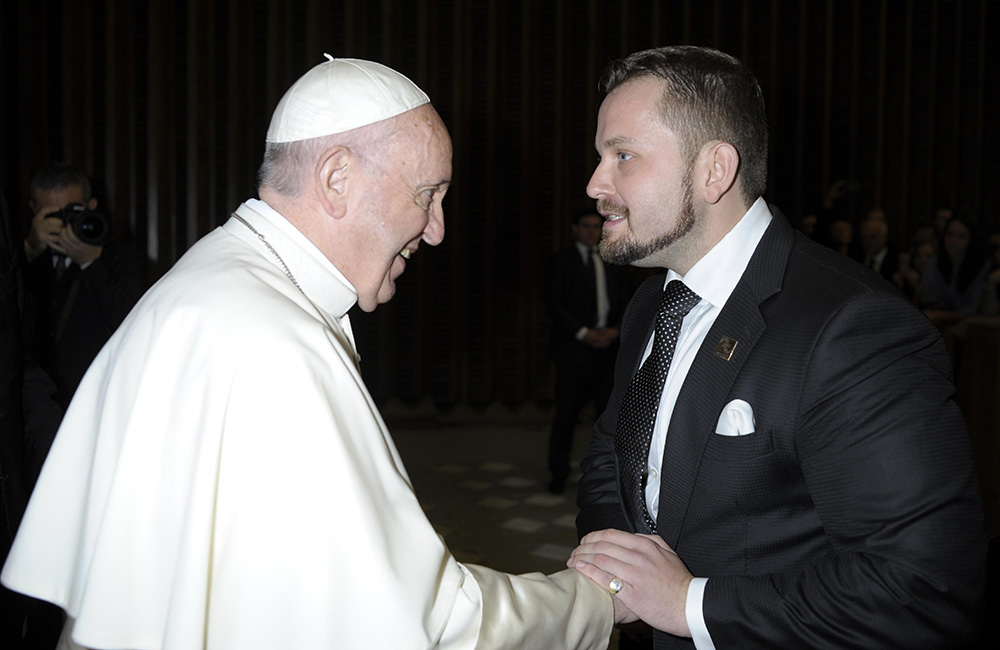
267, 244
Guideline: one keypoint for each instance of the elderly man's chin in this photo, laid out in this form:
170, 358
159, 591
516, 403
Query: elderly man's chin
387, 289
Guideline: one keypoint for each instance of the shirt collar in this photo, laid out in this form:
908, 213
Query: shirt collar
585, 251
319, 279
715, 276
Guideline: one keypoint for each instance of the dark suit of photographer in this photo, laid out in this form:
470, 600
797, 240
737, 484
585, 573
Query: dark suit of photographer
79, 289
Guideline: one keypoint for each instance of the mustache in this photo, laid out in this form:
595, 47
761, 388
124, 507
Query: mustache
605, 206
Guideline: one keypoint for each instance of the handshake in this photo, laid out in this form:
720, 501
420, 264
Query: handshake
646, 578
600, 338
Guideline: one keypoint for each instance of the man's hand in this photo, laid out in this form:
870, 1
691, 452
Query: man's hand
44, 232
70, 245
600, 338
655, 581
610, 335
622, 613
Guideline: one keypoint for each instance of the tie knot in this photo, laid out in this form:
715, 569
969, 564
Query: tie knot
677, 300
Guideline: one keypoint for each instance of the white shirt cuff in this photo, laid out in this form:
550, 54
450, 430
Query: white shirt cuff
580, 333
695, 615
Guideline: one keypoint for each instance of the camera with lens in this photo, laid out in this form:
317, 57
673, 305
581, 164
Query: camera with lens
90, 226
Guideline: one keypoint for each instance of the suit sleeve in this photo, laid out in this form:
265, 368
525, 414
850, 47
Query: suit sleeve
559, 288
597, 495
886, 461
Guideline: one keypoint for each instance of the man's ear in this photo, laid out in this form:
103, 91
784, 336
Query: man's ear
336, 169
718, 164
92, 203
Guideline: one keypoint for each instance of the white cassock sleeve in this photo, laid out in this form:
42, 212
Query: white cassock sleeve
340, 544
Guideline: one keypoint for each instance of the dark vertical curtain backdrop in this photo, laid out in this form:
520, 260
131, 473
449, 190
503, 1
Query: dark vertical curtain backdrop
166, 103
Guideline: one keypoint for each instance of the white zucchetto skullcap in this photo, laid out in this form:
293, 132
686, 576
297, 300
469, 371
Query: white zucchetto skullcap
339, 95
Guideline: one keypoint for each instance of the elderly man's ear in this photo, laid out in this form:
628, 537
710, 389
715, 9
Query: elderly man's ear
336, 170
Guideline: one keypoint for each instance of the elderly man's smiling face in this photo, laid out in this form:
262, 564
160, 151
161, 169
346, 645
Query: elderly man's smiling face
403, 203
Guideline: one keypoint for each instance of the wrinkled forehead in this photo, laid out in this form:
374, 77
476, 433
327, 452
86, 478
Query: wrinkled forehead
425, 137
425, 124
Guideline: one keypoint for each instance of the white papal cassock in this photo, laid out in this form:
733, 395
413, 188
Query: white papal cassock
223, 479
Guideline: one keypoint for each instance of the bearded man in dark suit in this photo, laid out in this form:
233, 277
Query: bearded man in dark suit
801, 476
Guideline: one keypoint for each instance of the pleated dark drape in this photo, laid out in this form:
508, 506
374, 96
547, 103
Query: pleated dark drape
165, 103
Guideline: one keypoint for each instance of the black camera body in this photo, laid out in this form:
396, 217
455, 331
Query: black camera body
90, 226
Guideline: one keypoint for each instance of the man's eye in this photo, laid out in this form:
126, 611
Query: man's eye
622, 156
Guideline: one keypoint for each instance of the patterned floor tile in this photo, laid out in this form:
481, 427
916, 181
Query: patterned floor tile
497, 503
547, 500
524, 525
557, 552
496, 467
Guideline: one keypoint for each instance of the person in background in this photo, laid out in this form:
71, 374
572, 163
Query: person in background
585, 299
940, 219
876, 251
80, 283
954, 280
907, 279
840, 237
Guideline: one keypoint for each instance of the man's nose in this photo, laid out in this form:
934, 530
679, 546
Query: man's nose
434, 232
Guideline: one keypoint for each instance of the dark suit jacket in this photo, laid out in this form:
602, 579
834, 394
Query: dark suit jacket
890, 263
571, 298
72, 317
851, 517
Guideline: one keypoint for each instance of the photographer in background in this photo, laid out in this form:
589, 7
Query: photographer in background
80, 285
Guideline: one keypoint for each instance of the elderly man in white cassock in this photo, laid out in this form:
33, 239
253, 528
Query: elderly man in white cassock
223, 479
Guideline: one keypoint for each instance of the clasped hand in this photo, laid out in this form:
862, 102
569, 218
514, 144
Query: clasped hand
600, 339
655, 580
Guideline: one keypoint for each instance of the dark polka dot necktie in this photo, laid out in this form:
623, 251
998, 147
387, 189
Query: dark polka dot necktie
642, 400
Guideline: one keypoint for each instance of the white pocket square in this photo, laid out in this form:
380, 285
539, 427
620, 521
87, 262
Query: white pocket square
736, 419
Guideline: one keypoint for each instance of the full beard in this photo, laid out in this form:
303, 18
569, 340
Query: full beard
628, 250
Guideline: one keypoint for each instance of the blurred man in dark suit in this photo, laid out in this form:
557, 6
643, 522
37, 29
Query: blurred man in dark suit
585, 299
876, 251
80, 283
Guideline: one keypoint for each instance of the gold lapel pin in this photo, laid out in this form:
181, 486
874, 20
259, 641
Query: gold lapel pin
724, 350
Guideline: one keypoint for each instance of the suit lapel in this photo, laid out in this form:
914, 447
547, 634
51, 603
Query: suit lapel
708, 383
586, 287
639, 323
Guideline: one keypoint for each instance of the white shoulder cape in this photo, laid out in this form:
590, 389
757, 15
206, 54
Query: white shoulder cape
223, 479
